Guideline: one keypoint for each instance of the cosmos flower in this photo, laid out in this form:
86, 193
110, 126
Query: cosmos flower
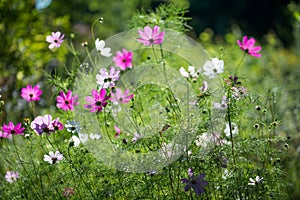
120, 97
213, 67
97, 101
151, 36
45, 124
248, 46
31, 93
53, 158
197, 183
118, 131
100, 46
66, 101
11, 129
123, 59
204, 87
57, 125
75, 141
72, 126
55, 39
223, 105
11, 176
136, 137
191, 73
107, 80
234, 129
5, 135
95, 136
68, 192
256, 181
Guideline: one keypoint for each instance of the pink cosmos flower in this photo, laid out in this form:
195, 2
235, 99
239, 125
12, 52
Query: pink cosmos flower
57, 125
12, 129
11, 176
123, 60
55, 39
45, 124
151, 36
97, 102
248, 46
118, 131
31, 93
4, 135
66, 101
105, 79
121, 98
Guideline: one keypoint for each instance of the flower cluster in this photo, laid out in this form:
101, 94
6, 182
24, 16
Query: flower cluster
45, 124
107, 94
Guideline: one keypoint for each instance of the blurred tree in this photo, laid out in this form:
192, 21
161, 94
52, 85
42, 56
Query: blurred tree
254, 17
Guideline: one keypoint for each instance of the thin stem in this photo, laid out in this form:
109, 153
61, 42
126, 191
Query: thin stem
230, 126
237, 67
164, 65
89, 56
92, 28
80, 175
33, 108
74, 52
22, 164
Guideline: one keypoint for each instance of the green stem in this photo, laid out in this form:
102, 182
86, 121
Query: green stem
92, 28
22, 164
230, 126
89, 56
33, 108
74, 52
237, 67
80, 175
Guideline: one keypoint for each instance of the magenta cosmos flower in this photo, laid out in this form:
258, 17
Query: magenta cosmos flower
123, 59
12, 129
4, 135
55, 39
45, 124
97, 101
248, 46
66, 101
31, 93
120, 97
151, 36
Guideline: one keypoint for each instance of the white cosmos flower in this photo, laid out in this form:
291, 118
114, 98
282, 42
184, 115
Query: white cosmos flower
213, 67
100, 46
95, 136
256, 181
191, 73
234, 129
75, 140
53, 158
73, 126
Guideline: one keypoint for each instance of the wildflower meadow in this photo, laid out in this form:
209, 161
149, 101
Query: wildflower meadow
152, 112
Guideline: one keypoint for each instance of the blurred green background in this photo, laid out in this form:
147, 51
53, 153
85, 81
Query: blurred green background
216, 24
